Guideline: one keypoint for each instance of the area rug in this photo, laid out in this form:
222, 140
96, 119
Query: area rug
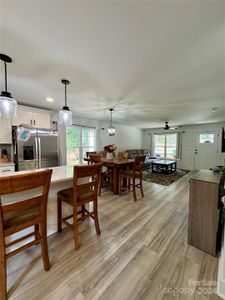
164, 179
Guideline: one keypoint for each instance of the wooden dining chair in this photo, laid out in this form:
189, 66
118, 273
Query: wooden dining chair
90, 152
106, 175
131, 176
19, 215
123, 155
79, 195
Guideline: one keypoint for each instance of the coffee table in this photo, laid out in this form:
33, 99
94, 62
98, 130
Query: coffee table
164, 166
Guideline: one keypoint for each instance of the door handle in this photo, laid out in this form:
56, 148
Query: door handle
196, 151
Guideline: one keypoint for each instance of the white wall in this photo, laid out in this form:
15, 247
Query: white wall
188, 142
127, 137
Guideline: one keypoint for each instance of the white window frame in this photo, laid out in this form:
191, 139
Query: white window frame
165, 146
81, 147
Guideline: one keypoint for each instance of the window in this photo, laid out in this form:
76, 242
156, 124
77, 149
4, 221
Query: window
165, 145
79, 140
206, 138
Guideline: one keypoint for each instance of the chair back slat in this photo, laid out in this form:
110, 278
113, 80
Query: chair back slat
90, 152
86, 171
139, 163
123, 155
95, 158
23, 182
35, 201
92, 172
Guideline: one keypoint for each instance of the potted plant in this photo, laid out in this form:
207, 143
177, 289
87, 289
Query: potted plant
110, 149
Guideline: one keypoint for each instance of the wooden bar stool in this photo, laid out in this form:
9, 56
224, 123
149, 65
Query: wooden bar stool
79, 195
17, 216
132, 175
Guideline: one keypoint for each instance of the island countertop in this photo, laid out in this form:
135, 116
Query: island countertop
62, 178
59, 174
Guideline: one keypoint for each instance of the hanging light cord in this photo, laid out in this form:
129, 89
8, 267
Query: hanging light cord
5, 76
111, 119
65, 95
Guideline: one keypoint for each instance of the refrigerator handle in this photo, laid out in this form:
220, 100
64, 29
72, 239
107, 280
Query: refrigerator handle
39, 152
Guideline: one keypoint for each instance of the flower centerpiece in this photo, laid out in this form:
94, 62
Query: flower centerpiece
110, 149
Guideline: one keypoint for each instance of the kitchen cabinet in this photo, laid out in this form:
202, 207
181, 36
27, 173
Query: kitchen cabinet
23, 117
32, 117
7, 169
5, 131
41, 120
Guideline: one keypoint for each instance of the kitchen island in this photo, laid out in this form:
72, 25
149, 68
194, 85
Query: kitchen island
62, 177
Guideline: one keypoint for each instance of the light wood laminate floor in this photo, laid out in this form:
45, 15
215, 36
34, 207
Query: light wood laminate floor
142, 253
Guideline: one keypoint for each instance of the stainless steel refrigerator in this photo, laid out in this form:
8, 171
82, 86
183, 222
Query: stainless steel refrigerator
39, 151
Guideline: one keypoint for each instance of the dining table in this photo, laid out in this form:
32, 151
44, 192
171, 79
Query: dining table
117, 164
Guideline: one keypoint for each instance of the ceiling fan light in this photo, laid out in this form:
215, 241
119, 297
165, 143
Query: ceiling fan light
8, 106
111, 131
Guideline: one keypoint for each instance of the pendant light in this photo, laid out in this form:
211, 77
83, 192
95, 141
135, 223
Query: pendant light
65, 115
8, 106
111, 130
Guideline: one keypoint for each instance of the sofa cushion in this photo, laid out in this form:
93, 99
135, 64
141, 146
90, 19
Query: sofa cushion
148, 160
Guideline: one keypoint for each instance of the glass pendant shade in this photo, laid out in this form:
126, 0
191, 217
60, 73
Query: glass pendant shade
111, 130
8, 106
65, 115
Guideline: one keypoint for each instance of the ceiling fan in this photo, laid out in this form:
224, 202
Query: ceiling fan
167, 127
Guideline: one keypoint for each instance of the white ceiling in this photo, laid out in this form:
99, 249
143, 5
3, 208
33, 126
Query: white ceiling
153, 61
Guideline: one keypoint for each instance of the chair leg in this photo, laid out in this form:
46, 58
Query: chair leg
59, 215
111, 180
141, 187
83, 212
134, 189
100, 186
75, 229
128, 184
44, 247
120, 178
98, 231
3, 276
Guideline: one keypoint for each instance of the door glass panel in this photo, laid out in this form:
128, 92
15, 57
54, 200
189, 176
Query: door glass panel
206, 138
88, 140
79, 141
73, 145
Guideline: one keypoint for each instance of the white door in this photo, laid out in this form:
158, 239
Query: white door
206, 149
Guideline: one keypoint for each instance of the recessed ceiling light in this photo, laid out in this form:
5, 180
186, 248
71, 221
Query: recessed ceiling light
49, 99
214, 109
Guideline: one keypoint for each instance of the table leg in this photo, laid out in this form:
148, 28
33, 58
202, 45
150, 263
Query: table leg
115, 180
